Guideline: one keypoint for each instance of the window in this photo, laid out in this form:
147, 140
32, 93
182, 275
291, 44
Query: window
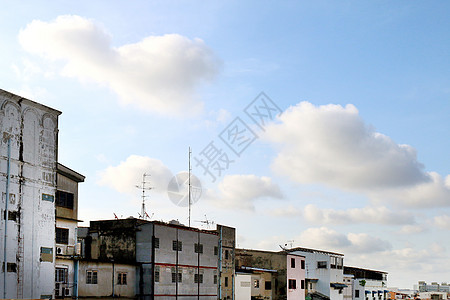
292, 262
198, 278
302, 264
11, 267
226, 281
64, 199
91, 277
122, 278
13, 215
268, 285
292, 284
302, 284
226, 254
216, 250
156, 242
198, 248
321, 264
156, 274
333, 262
174, 277
215, 279
62, 235
356, 293
177, 246
61, 275
339, 262
256, 283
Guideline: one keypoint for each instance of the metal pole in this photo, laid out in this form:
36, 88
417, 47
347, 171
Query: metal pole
189, 190
6, 217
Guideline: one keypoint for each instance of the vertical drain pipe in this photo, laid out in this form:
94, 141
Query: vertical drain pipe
6, 217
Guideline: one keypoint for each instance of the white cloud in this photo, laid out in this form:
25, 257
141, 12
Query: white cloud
328, 239
331, 144
289, 211
125, 176
158, 74
241, 191
442, 221
374, 215
412, 229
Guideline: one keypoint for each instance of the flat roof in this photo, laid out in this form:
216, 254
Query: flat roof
312, 251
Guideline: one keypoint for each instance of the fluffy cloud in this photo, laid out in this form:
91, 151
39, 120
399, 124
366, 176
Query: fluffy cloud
375, 215
158, 74
325, 239
442, 221
331, 144
240, 191
412, 229
125, 176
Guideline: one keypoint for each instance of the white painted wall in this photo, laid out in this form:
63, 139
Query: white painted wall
243, 286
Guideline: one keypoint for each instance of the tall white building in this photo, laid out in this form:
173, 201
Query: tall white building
28, 167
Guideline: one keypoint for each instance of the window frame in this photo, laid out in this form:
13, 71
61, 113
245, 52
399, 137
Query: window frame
91, 276
292, 284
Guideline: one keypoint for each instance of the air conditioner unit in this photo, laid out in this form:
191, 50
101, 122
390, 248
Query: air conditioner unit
66, 292
61, 250
70, 250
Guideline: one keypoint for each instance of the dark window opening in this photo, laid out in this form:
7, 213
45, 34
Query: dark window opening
216, 250
302, 284
321, 264
215, 279
268, 285
11, 267
292, 284
62, 235
174, 277
198, 248
198, 278
292, 262
64, 199
303, 264
91, 277
356, 293
226, 254
226, 281
177, 246
122, 279
156, 243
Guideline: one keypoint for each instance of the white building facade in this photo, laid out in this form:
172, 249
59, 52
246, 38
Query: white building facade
28, 150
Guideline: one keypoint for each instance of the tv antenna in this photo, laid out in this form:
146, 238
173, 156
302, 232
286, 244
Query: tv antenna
207, 222
144, 188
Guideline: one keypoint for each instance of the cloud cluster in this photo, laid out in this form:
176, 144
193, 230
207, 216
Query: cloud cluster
328, 239
158, 74
125, 176
442, 222
374, 215
331, 144
241, 191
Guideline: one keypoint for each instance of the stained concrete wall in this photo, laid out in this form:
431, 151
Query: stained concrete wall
33, 130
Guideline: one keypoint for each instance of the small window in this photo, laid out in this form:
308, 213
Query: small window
226, 281
62, 235
302, 284
122, 278
177, 246
356, 293
292, 262
216, 250
198, 248
333, 262
11, 267
226, 254
156, 274
321, 264
91, 277
256, 283
174, 277
268, 285
46, 254
64, 199
198, 278
61, 275
215, 279
302, 264
292, 284
13, 215
156, 242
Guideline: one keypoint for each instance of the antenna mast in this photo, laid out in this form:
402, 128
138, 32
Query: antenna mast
189, 186
144, 188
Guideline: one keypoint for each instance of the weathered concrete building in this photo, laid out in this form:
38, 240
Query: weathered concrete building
275, 275
66, 250
28, 157
157, 259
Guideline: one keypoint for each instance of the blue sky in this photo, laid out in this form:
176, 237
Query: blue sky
357, 162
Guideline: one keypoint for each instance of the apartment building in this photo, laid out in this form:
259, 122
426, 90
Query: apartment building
324, 273
273, 275
368, 284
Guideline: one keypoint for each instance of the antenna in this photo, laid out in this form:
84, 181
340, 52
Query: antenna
189, 190
207, 222
143, 215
